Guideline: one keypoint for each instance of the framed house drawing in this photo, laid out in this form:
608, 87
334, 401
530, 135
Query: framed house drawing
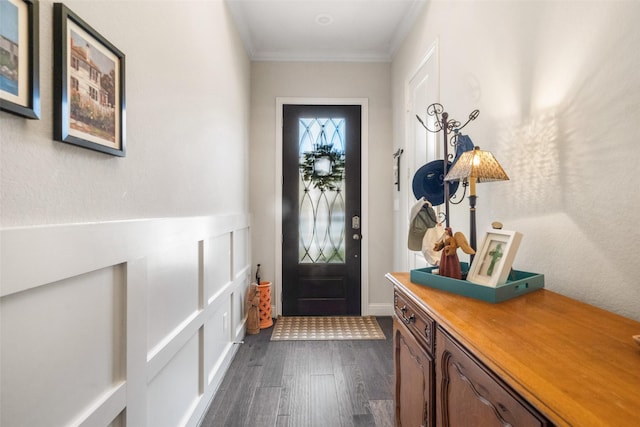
89, 89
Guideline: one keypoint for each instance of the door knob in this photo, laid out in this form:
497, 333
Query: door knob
356, 237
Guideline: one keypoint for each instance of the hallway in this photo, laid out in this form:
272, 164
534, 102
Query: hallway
307, 383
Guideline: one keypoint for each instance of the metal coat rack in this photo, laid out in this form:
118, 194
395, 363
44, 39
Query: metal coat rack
446, 125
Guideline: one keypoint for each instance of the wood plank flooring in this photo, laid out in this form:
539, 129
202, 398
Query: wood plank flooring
307, 383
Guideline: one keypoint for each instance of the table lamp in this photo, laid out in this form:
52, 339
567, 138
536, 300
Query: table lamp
475, 166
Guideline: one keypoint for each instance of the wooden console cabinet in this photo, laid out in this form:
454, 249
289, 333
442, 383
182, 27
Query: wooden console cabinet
541, 359
413, 342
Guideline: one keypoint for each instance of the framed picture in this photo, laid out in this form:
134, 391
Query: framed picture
19, 66
89, 90
492, 263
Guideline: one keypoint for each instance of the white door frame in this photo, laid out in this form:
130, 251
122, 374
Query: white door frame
364, 161
422, 88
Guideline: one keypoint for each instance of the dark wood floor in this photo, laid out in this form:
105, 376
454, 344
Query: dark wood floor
307, 383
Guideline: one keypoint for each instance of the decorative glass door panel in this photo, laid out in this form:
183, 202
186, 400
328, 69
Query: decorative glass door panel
321, 195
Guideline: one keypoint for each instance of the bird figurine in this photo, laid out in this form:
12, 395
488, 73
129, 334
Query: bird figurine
449, 262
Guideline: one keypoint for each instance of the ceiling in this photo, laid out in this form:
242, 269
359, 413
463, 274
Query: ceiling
323, 30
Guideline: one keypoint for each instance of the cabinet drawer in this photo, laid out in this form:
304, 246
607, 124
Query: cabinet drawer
417, 321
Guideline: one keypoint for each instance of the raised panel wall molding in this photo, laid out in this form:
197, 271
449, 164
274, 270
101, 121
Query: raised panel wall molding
109, 262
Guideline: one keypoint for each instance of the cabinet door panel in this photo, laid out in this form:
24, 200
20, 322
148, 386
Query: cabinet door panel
468, 394
414, 380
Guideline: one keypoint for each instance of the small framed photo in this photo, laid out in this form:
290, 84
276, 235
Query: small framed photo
492, 263
89, 90
19, 66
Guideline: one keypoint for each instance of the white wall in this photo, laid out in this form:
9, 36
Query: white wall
558, 91
270, 80
187, 82
109, 317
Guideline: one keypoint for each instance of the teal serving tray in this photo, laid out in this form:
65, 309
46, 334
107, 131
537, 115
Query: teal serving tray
519, 283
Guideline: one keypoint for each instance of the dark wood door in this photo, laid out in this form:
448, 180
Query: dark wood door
321, 213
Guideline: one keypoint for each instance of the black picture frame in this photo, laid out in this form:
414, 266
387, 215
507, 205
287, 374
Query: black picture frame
89, 86
21, 95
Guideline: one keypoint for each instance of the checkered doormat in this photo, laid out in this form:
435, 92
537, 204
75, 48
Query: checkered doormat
317, 328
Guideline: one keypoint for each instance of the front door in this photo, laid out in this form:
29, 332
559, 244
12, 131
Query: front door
321, 210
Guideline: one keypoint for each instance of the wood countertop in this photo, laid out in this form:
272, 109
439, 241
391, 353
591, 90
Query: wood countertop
576, 363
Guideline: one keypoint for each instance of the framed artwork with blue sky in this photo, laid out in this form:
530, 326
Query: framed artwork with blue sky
19, 65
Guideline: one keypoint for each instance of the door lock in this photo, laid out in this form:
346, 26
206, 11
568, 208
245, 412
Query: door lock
355, 222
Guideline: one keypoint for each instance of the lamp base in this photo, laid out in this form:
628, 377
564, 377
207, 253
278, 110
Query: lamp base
472, 225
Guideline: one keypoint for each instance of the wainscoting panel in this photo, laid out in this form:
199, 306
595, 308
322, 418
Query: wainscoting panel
173, 291
240, 250
68, 339
217, 334
126, 323
217, 265
175, 389
119, 421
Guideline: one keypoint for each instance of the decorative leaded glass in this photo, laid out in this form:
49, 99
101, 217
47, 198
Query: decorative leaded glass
321, 195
